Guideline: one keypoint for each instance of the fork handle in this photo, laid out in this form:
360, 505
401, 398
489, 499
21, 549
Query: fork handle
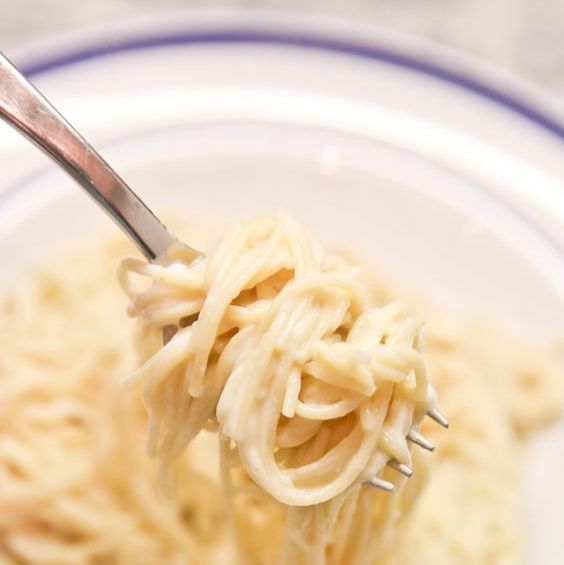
29, 112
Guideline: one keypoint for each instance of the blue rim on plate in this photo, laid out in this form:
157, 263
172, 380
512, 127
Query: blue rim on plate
370, 51
378, 50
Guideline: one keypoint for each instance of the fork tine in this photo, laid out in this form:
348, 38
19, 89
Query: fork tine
435, 414
400, 467
381, 484
421, 441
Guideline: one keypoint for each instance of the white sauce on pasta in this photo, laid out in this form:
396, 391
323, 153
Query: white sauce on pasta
312, 390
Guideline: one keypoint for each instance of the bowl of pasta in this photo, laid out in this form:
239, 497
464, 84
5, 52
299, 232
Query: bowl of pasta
440, 178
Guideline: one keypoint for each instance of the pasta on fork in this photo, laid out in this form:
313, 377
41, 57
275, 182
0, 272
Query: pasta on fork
316, 395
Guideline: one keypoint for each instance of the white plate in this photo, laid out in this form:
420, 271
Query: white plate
445, 173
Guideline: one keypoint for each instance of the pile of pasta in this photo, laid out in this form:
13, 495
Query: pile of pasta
76, 485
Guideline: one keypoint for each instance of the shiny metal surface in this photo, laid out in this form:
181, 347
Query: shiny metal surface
27, 110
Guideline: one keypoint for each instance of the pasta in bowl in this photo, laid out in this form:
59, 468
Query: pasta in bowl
80, 487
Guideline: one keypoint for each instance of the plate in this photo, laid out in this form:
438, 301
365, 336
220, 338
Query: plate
446, 174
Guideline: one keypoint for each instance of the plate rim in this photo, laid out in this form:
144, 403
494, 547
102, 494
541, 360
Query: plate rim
298, 31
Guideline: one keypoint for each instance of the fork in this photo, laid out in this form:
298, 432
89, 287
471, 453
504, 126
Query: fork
31, 114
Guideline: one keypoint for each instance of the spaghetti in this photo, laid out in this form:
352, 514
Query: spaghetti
76, 485
312, 390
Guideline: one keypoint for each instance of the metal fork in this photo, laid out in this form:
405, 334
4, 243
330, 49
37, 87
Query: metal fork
30, 113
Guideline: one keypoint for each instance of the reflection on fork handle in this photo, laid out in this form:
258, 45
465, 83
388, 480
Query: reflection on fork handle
30, 113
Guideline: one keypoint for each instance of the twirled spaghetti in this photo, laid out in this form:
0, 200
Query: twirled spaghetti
313, 390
